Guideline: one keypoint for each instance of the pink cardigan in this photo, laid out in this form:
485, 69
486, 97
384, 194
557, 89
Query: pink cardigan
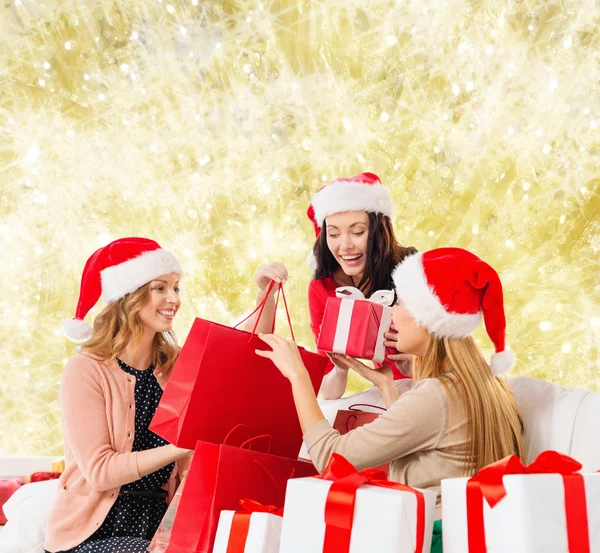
98, 410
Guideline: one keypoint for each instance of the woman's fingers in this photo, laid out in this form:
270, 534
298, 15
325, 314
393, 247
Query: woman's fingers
270, 339
281, 271
355, 363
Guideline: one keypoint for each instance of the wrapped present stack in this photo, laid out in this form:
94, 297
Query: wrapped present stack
336, 512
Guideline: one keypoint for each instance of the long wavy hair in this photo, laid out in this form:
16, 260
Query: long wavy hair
119, 324
494, 426
383, 254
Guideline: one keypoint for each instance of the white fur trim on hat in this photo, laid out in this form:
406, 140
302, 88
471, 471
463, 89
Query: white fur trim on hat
424, 305
340, 196
311, 261
77, 330
502, 362
120, 280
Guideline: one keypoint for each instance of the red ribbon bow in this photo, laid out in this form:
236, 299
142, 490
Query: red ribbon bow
341, 499
240, 524
488, 484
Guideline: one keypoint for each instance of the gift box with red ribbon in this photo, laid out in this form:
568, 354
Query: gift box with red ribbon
354, 325
254, 529
349, 511
547, 506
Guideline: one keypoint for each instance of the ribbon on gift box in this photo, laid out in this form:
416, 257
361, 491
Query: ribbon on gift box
341, 499
488, 484
344, 328
382, 297
240, 524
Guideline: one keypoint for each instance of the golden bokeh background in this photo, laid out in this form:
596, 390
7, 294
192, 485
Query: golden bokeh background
208, 124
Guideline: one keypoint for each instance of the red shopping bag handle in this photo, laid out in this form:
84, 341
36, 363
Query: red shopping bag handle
233, 430
261, 306
354, 418
352, 407
250, 440
272, 478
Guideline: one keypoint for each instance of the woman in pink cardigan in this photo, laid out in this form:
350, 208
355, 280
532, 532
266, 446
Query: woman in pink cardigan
119, 476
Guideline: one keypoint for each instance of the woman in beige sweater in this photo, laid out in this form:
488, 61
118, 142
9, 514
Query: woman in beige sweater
118, 474
459, 416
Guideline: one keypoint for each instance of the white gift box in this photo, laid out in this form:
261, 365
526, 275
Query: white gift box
385, 520
531, 518
264, 533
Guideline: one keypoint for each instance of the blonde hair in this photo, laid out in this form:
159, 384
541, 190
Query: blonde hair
118, 324
494, 427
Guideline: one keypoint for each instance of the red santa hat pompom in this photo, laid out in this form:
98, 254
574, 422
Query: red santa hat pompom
448, 290
363, 192
114, 271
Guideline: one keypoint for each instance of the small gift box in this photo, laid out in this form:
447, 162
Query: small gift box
347, 511
255, 529
545, 507
354, 325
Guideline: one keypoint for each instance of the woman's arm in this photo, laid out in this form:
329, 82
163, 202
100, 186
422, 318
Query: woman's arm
334, 383
414, 422
86, 431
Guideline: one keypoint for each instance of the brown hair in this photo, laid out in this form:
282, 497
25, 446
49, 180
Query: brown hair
494, 426
383, 254
119, 323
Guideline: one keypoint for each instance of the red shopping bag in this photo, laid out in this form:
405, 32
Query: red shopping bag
351, 418
218, 478
219, 382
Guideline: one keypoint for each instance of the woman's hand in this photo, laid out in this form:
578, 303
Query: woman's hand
379, 377
273, 271
284, 354
340, 365
401, 360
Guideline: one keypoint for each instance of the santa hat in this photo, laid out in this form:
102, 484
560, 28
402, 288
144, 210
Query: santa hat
447, 290
114, 271
363, 192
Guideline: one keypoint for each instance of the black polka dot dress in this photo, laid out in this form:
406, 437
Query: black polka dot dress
133, 519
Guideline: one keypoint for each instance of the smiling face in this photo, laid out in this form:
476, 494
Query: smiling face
160, 310
347, 239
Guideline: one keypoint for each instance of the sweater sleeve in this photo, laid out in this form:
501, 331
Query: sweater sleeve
317, 298
86, 428
415, 422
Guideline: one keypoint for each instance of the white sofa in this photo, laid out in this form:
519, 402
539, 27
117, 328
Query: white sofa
28, 508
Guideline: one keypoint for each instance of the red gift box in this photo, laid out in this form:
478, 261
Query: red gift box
218, 478
355, 326
219, 382
8, 486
